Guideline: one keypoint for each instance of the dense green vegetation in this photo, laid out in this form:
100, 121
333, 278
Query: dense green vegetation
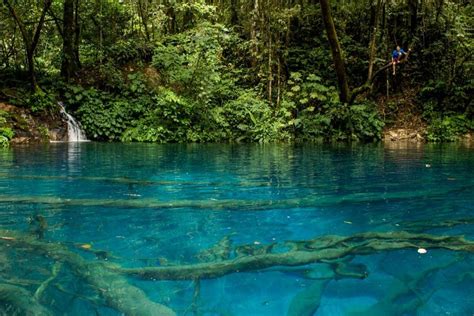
6, 133
240, 70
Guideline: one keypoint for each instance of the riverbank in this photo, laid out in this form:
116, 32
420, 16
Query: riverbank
51, 125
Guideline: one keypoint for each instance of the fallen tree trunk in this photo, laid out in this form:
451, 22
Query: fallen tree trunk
18, 301
238, 204
114, 288
321, 249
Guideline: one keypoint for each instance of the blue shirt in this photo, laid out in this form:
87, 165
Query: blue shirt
396, 54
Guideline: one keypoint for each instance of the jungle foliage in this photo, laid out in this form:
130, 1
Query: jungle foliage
238, 70
6, 133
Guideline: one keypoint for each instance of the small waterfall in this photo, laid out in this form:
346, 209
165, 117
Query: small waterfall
74, 129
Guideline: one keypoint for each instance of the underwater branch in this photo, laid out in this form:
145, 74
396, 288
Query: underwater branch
322, 249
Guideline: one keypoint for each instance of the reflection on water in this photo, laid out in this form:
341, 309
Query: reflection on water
143, 229
73, 157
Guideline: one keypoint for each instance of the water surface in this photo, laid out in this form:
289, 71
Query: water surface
144, 205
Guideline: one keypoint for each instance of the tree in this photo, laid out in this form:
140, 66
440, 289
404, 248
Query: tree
70, 34
30, 36
336, 51
373, 38
345, 94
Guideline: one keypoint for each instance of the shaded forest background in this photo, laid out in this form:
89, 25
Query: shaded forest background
240, 70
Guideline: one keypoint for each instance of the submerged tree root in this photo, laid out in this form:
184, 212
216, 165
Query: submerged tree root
18, 301
322, 249
112, 287
54, 273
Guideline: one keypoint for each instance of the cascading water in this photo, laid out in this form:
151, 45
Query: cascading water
74, 129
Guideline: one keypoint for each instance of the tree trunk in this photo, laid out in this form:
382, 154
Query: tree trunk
373, 39
413, 4
253, 33
234, 17
31, 69
188, 18
344, 93
34, 44
270, 68
77, 34
171, 18
278, 82
439, 9
143, 13
101, 35
68, 65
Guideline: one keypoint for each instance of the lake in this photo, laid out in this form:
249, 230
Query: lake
218, 229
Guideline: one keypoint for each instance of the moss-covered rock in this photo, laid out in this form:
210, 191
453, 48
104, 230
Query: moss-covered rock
31, 127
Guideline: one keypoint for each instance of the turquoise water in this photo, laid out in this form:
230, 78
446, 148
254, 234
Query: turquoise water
139, 205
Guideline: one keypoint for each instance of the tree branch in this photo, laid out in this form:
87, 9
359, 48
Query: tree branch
368, 84
19, 22
322, 249
34, 43
57, 21
114, 288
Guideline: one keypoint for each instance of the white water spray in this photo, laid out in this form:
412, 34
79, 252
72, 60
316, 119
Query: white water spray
74, 129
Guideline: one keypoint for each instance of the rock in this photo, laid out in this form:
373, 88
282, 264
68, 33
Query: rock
393, 136
401, 134
58, 134
53, 135
20, 140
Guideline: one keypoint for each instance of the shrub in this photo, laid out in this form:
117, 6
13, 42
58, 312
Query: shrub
103, 115
6, 133
320, 115
449, 128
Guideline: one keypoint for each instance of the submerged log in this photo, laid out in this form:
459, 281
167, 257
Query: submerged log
241, 204
403, 296
307, 302
19, 301
416, 226
112, 287
303, 253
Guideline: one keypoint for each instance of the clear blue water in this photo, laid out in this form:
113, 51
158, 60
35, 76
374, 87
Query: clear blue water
149, 205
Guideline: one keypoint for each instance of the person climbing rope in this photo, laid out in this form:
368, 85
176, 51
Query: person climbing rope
396, 57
